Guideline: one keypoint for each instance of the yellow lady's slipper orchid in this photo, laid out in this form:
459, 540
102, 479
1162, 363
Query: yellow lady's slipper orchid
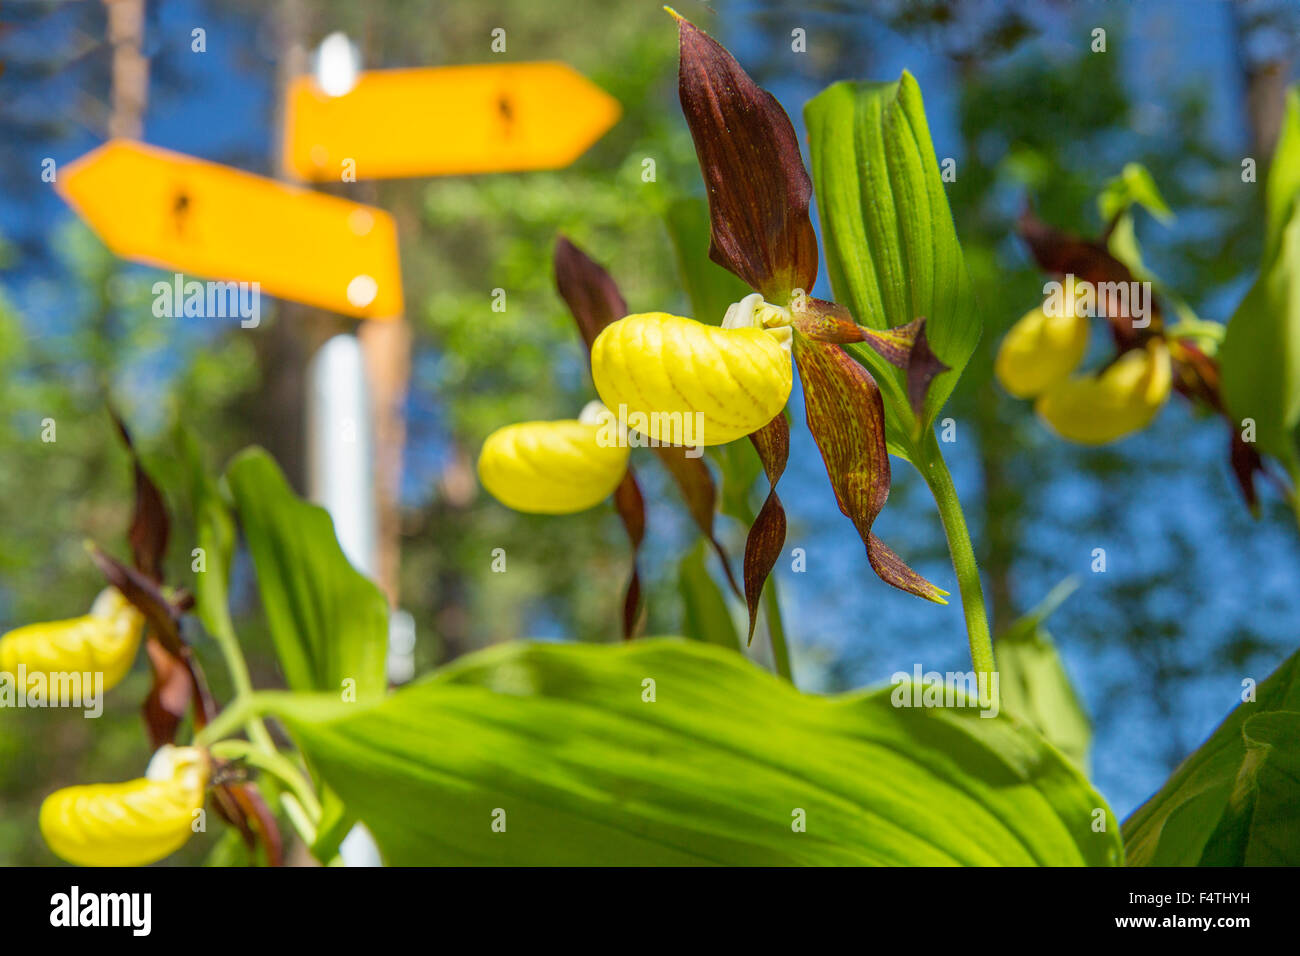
661, 371
556, 467
1040, 350
105, 640
1122, 399
128, 824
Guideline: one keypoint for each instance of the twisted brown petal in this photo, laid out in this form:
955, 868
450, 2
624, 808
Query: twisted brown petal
905, 346
1060, 253
767, 534
588, 290
922, 366
149, 523
847, 419
631, 509
757, 186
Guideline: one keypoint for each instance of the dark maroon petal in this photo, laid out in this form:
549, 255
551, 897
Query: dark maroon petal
169, 697
149, 523
1061, 254
695, 482
904, 346
847, 419
589, 291
767, 534
163, 617
757, 186
1246, 462
922, 366
631, 508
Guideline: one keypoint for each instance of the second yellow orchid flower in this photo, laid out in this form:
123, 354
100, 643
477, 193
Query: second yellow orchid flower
1038, 355
133, 823
555, 467
103, 641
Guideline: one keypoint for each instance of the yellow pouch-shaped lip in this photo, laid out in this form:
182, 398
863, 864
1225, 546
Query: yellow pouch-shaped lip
556, 467
128, 824
105, 640
1040, 350
1121, 400
658, 371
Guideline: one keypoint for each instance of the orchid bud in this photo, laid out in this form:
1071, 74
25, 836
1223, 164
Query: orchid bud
103, 641
133, 823
679, 381
1123, 399
1040, 350
556, 467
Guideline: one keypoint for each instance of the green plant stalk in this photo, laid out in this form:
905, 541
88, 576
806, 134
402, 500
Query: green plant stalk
238, 713
935, 472
237, 667
275, 764
776, 631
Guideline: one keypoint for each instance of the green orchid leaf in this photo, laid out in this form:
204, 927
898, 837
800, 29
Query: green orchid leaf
1134, 186
891, 247
1283, 184
705, 614
1034, 682
329, 623
1232, 802
1260, 353
674, 752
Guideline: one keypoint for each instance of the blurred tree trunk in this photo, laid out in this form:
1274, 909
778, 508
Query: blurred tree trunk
129, 70
276, 410
1265, 76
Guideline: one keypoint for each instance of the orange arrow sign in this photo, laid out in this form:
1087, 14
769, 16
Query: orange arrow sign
445, 121
170, 210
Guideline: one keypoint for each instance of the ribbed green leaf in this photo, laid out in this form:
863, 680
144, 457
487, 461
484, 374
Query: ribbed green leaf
890, 244
719, 767
1035, 685
329, 623
1284, 172
1232, 802
1260, 354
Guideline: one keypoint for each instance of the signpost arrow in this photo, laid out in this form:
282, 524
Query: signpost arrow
445, 121
163, 208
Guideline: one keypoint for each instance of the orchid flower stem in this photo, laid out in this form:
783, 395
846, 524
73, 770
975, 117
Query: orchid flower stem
275, 764
776, 631
237, 667
936, 474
